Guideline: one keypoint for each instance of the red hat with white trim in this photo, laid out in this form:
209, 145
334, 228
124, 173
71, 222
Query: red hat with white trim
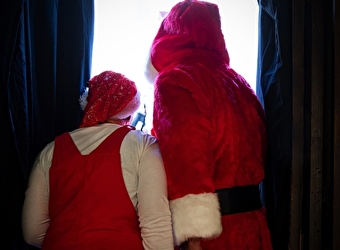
110, 95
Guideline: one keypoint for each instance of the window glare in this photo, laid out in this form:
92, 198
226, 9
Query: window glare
124, 31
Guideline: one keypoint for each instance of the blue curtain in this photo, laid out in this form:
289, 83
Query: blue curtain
45, 49
274, 90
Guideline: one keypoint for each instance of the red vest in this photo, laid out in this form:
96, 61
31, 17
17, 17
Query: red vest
89, 206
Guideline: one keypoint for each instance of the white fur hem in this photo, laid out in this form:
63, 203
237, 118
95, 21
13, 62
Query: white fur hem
196, 216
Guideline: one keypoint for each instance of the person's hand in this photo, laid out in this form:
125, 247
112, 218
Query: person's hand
192, 244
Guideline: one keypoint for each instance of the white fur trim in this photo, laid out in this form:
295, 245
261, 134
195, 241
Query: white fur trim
195, 216
150, 71
83, 98
130, 108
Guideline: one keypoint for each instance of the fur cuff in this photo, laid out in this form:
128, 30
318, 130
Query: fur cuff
196, 216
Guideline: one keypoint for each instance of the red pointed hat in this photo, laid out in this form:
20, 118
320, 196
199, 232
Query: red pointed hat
110, 95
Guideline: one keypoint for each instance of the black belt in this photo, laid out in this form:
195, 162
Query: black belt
239, 199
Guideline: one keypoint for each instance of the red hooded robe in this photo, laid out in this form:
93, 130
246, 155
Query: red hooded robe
210, 128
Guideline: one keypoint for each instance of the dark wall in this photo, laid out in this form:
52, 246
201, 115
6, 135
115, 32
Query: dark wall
314, 221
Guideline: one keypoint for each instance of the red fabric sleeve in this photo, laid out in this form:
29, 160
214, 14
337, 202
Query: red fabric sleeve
181, 125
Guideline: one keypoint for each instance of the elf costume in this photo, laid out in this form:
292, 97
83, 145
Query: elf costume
103, 185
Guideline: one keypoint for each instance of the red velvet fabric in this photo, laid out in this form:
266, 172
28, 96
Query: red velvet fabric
89, 205
208, 121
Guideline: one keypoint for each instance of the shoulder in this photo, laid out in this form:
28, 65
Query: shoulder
140, 138
44, 158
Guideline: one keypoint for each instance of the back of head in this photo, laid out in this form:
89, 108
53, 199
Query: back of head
189, 24
111, 96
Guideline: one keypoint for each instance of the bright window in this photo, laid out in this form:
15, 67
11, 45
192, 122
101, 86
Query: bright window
124, 31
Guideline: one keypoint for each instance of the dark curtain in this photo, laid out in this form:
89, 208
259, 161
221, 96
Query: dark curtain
274, 90
45, 49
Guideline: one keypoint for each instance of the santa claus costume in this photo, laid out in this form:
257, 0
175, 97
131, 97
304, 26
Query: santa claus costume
211, 131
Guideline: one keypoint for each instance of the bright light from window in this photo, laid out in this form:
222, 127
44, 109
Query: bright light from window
124, 31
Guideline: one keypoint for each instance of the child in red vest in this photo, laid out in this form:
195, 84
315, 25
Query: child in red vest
102, 186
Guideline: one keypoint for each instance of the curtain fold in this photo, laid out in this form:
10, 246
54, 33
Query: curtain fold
269, 54
273, 87
46, 53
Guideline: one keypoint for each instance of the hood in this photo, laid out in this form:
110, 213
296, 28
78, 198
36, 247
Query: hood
190, 27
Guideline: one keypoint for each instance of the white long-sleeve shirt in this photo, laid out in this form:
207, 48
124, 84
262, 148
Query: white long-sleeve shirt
143, 174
